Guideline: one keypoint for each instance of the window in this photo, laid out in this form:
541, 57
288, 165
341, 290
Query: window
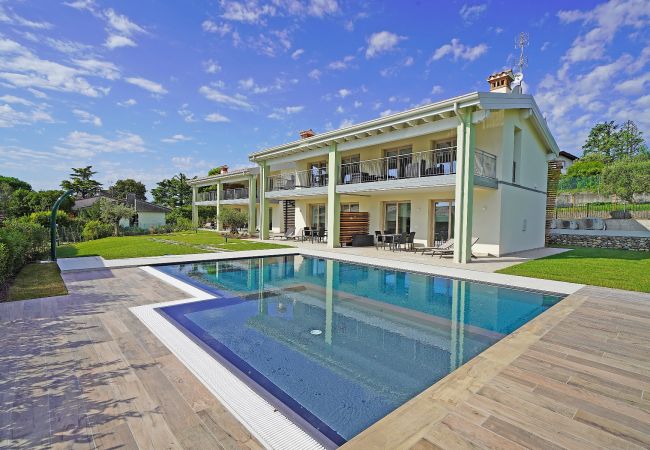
318, 216
270, 219
349, 207
318, 171
397, 217
397, 161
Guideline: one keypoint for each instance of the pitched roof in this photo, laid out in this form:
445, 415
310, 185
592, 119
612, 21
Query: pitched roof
568, 155
144, 206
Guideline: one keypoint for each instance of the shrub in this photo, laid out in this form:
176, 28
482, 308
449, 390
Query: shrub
20, 243
585, 168
627, 177
183, 224
94, 229
233, 218
43, 218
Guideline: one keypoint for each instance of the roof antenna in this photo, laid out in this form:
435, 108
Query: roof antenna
521, 42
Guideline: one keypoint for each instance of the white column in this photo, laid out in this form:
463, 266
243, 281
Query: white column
264, 210
195, 207
464, 198
252, 203
333, 201
218, 205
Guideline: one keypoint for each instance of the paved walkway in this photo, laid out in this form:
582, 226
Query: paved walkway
80, 371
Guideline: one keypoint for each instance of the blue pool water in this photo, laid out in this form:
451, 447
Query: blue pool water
335, 345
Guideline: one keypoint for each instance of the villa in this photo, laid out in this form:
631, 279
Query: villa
470, 166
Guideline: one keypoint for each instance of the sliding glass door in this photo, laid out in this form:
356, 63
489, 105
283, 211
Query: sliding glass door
442, 221
397, 217
318, 216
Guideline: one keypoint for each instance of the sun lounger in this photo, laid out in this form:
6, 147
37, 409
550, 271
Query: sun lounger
450, 251
445, 245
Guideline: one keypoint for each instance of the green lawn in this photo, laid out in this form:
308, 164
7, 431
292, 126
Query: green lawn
620, 269
151, 245
37, 280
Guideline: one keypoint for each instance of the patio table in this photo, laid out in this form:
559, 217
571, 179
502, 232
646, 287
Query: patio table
387, 235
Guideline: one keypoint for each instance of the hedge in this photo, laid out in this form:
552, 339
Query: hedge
20, 243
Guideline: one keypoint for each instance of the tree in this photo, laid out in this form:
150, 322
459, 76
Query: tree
112, 212
233, 218
585, 168
602, 140
627, 177
81, 182
173, 192
215, 171
15, 183
128, 186
630, 141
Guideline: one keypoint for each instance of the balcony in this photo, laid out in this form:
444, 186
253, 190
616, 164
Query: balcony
313, 178
209, 196
234, 194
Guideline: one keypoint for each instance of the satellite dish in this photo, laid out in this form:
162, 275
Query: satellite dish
519, 77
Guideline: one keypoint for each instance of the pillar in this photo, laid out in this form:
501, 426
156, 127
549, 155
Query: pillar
252, 204
195, 207
264, 210
457, 329
329, 300
464, 188
333, 201
218, 206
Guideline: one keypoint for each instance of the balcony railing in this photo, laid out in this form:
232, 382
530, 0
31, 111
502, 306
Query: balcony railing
226, 194
485, 164
428, 163
412, 165
316, 177
209, 196
234, 194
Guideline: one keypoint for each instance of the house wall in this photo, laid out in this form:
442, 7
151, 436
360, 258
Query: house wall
150, 219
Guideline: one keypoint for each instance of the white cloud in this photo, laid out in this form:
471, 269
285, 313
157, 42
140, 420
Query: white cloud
148, 85
249, 84
544, 46
216, 117
470, 14
86, 117
22, 68
341, 64
408, 61
281, 113
211, 66
457, 50
437, 89
315, 74
346, 123
114, 41
237, 101
15, 100
255, 12
176, 138
69, 47
357, 104
221, 29
186, 114
344, 93
11, 117
383, 41
386, 112
127, 103
99, 68
85, 145
297, 53
122, 24
14, 19
247, 11
635, 86
339, 110
183, 162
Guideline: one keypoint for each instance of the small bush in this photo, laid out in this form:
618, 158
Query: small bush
20, 243
94, 229
43, 218
183, 224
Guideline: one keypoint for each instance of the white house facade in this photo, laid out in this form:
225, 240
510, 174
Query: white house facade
470, 166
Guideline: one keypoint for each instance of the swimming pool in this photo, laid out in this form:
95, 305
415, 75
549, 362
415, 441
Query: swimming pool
336, 346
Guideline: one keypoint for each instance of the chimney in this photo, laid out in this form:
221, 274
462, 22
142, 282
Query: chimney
307, 134
501, 81
130, 199
224, 170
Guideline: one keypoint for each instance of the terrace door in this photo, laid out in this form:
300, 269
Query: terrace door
397, 160
442, 221
318, 216
397, 217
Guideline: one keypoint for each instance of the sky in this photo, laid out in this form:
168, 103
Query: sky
147, 89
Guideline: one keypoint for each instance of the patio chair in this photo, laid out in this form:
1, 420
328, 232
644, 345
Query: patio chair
450, 251
379, 239
306, 233
319, 235
409, 243
290, 233
449, 243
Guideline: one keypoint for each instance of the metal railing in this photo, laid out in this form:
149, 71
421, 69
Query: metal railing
234, 194
413, 165
485, 164
209, 196
316, 177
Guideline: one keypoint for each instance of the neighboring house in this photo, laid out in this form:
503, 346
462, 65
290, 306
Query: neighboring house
146, 214
566, 160
472, 165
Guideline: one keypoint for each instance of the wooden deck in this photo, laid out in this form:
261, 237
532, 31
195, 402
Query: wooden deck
80, 371
576, 377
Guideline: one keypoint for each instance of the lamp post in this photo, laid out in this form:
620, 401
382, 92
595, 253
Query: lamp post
55, 208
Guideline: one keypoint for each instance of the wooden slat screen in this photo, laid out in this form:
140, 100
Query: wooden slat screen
352, 223
553, 178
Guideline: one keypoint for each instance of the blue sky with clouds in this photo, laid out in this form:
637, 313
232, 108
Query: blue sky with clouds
146, 89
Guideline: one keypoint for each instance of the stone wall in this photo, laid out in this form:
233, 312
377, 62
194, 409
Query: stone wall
595, 241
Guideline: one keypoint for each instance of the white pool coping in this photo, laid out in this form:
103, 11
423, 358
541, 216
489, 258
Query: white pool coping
271, 428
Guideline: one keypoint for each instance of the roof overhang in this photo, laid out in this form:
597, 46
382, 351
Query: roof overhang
236, 175
412, 118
